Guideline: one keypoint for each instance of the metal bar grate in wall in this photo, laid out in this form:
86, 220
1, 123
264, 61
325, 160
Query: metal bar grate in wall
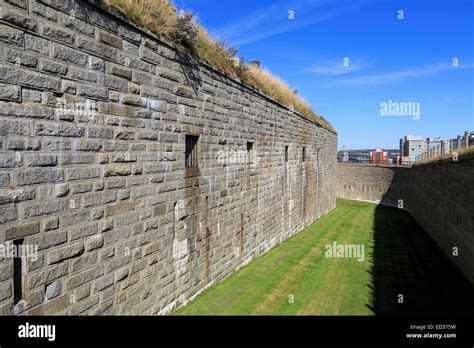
191, 151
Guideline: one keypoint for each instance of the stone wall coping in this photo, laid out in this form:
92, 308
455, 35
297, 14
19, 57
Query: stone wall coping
463, 157
372, 165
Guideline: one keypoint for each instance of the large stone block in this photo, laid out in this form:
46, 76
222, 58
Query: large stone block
21, 230
64, 253
97, 48
11, 35
28, 78
20, 58
37, 176
110, 39
82, 173
40, 160
57, 34
18, 19
17, 195
117, 170
23, 144
37, 44
93, 92
27, 111
70, 55
10, 92
43, 277
44, 11
94, 242
84, 277
5, 290
75, 24
119, 208
8, 214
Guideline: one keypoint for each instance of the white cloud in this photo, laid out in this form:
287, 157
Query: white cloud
273, 20
336, 68
397, 76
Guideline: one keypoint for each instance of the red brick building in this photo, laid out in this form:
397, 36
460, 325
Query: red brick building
378, 157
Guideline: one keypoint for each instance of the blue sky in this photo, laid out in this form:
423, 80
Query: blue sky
407, 60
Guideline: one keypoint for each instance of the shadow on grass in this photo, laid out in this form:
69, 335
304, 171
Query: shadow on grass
408, 262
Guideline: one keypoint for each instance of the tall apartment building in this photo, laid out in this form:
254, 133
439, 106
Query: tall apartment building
438, 146
412, 146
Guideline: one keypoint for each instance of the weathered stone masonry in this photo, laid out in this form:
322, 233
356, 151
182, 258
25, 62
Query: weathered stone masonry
94, 114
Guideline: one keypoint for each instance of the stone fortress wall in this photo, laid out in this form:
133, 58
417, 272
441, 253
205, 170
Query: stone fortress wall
95, 115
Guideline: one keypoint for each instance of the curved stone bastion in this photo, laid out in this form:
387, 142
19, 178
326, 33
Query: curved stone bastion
438, 194
131, 178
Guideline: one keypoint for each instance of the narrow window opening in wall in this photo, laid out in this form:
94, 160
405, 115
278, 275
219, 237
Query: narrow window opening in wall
17, 272
286, 154
191, 151
250, 152
303, 155
174, 220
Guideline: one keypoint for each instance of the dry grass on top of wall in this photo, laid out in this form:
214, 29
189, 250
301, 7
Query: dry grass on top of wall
275, 87
462, 153
158, 16
161, 17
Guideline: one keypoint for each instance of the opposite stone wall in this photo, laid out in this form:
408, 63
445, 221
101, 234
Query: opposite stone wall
94, 114
439, 196
374, 183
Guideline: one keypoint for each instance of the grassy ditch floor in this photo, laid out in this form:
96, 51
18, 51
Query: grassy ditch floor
298, 278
